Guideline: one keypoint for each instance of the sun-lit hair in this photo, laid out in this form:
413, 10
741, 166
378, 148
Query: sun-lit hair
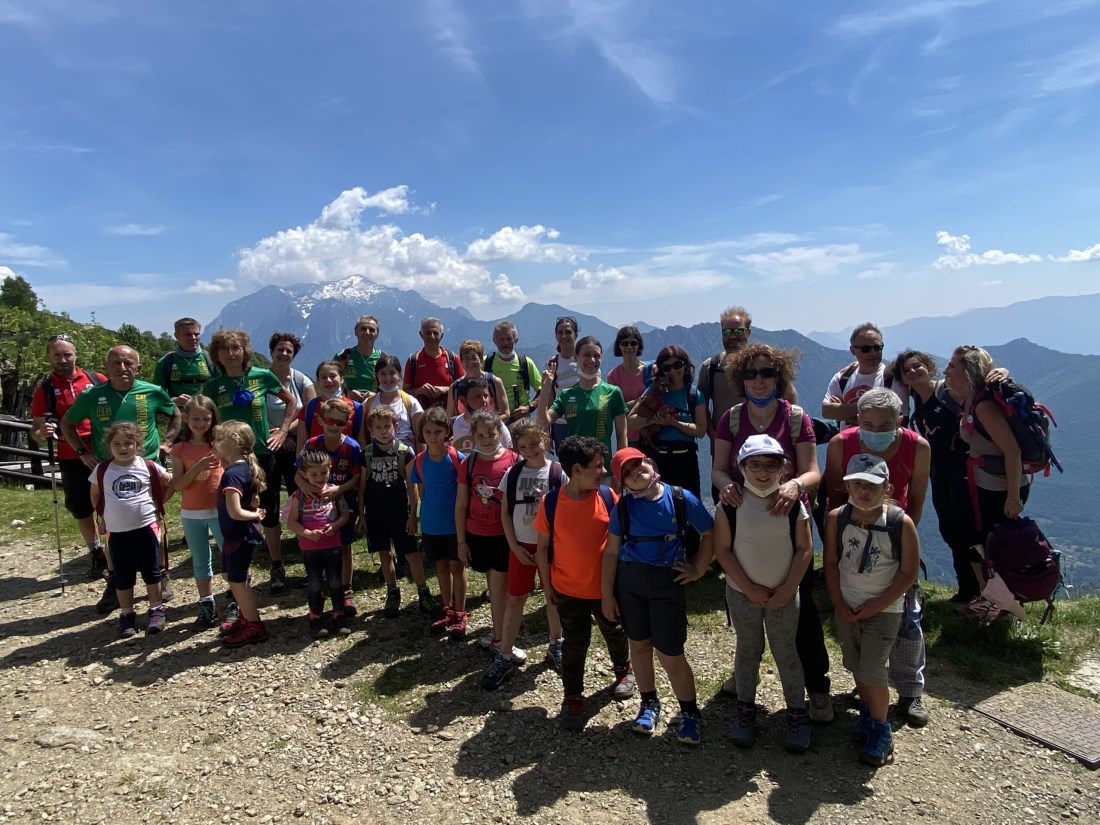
225, 338
784, 360
338, 406
896, 369
382, 415
124, 429
866, 326
976, 364
240, 435
484, 417
278, 337
879, 398
313, 458
471, 345
204, 402
529, 426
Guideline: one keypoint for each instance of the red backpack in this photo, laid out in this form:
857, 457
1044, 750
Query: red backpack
1018, 551
156, 486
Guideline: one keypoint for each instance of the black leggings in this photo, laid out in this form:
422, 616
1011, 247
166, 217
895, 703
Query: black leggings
321, 566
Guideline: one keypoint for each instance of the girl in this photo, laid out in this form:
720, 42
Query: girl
765, 558
242, 483
196, 474
481, 541
123, 492
317, 522
871, 557
390, 394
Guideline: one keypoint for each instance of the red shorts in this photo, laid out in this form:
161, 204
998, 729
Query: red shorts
521, 577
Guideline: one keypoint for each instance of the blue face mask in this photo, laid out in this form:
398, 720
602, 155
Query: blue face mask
877, 442
243, 398
762, 402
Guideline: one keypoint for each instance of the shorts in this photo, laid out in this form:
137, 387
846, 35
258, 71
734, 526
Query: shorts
133, 552
867, 645
76, 481
389, 528
521, 577
439, 548
488, 553
236, 559
269, 498
652, 606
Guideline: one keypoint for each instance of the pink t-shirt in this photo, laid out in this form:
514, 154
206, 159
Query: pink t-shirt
484, 502
203, 492
316, 514
632, 386
779, 429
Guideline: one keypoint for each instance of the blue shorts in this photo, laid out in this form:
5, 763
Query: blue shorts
236, 559
134, 551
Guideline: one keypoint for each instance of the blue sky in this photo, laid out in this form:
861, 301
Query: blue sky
819, 163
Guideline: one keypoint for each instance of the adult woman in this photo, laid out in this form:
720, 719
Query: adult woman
629, 375
590, 407
284, 346
470, 354
241, 395
390, 394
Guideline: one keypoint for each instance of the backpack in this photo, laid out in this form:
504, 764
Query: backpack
452, 368
314, 404
470, 462
452, 453
1022, 556
895, 519
170, 360
1030, 424
525, 365
850, 370
51, 397
679, 508
156, 487
511, 483
550, 501
795, 420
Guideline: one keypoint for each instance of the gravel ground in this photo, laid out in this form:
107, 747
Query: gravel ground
390, 725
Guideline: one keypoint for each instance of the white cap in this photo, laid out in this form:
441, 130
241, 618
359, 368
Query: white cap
759, 445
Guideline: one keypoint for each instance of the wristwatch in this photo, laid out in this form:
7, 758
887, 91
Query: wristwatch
81, 450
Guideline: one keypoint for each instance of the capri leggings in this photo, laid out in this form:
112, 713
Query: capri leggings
197, 532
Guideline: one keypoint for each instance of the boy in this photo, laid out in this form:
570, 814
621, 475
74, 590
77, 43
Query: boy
572, 528
642, 584
475, 392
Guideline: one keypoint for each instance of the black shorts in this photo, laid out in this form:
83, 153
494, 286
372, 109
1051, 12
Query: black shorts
133, 552
76, 481
269, 498
236, 559
488, 553
652, 606
440, 548
386, 528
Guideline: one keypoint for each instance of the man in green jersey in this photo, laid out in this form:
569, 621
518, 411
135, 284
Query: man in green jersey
518, 373
359, 361
183, 371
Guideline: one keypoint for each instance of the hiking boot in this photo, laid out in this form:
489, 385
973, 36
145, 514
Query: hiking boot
649, 714
429, 605
572, 713
744, 726
821, 708
350, 610
207, 615
167, 592
249, 633
340, 624
127, 625
392, 608
729, 687
879, 748
913, 711
97, 562
233, 620
553, 654
457, 629
689, 733
277, 583
862, 727
797, 739
156, 620
499, 671
317, 628
445, 620
109, 601
624, 685
486, 641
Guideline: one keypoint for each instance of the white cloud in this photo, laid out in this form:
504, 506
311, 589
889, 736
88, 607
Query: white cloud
928, 11
601, 276
800, 263
1073, 71
344, 212
129, 229
6, 272
525, 243
880, 270
957, 254
1092, 253
990, 283
84, 295
218, 286
452, 31
505, 290
23, 254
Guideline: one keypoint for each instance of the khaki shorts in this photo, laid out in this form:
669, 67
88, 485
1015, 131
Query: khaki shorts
867, 646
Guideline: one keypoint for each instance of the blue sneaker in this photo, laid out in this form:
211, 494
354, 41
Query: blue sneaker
880, 744
689, 729
501, 668
649, 714
744, 727
862, 729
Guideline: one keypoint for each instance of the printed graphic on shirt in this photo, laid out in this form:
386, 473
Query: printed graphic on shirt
529, 492
385, 469
127, 486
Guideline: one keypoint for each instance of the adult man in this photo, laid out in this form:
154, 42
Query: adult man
878, 431
518, 373
51, 400
430, 372
359, 361
183, 371
868, 371
713, 383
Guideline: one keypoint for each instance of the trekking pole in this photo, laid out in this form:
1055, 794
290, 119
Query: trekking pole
56, 518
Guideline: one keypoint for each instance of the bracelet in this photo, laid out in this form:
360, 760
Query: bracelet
801, 486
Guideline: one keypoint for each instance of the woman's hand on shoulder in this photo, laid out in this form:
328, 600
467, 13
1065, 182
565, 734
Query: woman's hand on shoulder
732, 494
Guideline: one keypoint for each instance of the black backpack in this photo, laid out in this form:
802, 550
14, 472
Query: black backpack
452, 368
51, 397
511, 483
524, 373
1030, 423
550, 502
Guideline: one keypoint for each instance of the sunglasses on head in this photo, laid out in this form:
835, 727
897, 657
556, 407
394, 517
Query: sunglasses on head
865, 348
334, 422
568, 319
729, 332
669, 366
763, 372
61, 337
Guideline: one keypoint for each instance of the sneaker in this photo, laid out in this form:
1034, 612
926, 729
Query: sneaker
518, 654
249, 633
744, 726
649, 714
553, 655
127, 625
445, 620
457, 629
913, 711
486, 641
98, 562
317, 628
156, 621
340, 624
498, 672
689, 733
109, 600
624, 685
572, 713
428, 604
167, 592
349, 604
729, 687
207, 615
821, 708
797, 739
277, 583
863, 727
879, 748
233, 620
392, 608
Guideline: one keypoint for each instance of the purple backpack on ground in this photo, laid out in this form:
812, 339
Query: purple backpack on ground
1029, 566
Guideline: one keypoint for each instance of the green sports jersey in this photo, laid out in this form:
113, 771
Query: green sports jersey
261, 383
184, 373
103, 405
591, 412
510, 376
358, 369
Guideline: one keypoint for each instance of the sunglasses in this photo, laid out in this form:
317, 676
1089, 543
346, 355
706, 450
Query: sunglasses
673, 365
568, 319
865, 348
740, 332
763, 372
334, 422
630, 342
61, 337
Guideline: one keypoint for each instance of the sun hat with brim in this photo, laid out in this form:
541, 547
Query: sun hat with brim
622, 457
865, 467
760, 445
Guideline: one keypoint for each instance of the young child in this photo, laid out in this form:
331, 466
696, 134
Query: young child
435, 472
481, 541
523, 486
239, 516
475, 396
388, 501
868, 574
123, 491
644, 571
317, 521
196, 474
764, 558
572, 529
345, 461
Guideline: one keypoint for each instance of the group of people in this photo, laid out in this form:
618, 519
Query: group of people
484, 461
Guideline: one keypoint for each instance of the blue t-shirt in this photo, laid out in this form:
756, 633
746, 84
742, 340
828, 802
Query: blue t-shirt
238, 477
657, 518
437, 504
679, 400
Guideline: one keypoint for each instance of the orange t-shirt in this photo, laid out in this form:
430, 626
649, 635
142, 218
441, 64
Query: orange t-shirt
580, 533
202, 494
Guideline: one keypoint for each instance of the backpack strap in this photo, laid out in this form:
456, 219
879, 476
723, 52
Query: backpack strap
792, 518
156, 487
406, 399
470, 462
715, 363
605, 496
418, 464
452, 367
100, 473
795, 426
511, 484
550, 501
735, 419
846, 375
455, 460
679, 508
49, 397
412, 370
310, 414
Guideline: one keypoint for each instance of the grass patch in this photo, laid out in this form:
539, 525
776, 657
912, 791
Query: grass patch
212, 739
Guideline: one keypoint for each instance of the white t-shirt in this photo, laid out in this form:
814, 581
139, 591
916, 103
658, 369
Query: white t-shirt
464, 442
532, 485
127, 496
762, 543
855, 587
568, 373
858, 383
403, 431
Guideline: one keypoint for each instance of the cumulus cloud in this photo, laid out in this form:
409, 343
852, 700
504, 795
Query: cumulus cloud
600, 276
799, 263
957, 254
25, 254
525, 243
1092, 253
218, 286
132, 229
6, 272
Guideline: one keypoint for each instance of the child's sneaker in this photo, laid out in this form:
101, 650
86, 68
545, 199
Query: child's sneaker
98, 562
553, 654
277, 584
457, 629
317, 627
428, 604
572, 713
863, 727
689, 733
744, 726
167, 592
127, 625
392, 608
624, 684
233, 619
441, 624
340, 625
207, 615
498, 672
879, 748
821, 708
486, 641
156, 620
350, 610
109, 601
249, 633
649, 714
797, 739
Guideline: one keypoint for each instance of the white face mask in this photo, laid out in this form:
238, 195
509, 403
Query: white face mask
489, 452
649, 488
389, 387
763, 492
875, 506
589, 376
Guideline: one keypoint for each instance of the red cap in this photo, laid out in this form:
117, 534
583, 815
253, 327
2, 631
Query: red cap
621, 457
